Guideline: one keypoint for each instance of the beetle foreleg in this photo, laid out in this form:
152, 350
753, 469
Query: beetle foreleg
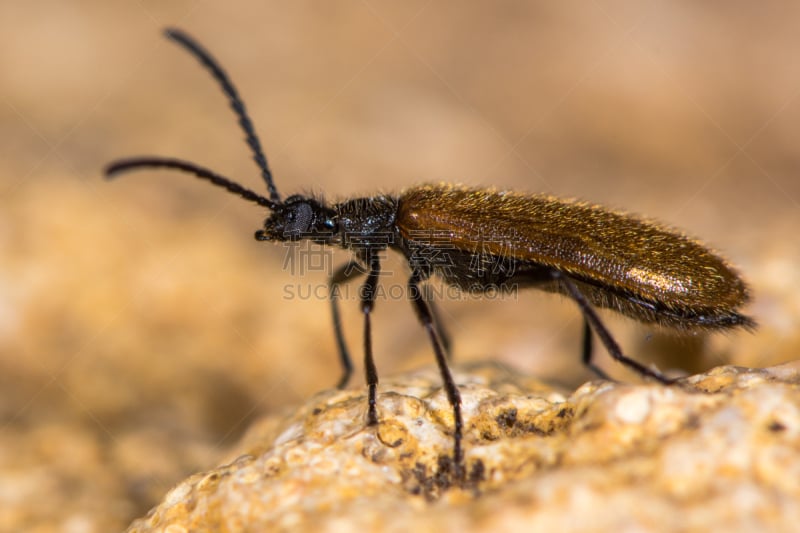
368, 293
343, 274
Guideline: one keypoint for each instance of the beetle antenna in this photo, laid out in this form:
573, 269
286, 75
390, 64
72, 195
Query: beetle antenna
236, 103
137, 163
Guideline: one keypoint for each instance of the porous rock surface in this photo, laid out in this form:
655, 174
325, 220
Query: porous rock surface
720, 451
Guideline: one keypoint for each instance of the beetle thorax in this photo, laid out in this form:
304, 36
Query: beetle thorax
367, 222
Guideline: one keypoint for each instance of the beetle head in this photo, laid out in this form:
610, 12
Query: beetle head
300, 217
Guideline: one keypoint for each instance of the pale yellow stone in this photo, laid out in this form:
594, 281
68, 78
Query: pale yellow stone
719, 452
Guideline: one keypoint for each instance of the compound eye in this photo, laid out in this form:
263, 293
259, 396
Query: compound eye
329, 224
298, 219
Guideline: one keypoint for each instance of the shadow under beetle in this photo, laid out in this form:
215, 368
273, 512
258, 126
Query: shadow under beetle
481, 240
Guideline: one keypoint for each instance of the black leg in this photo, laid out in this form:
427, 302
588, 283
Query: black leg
343, 274
605, 337
444, 336
425, 316
368, 292
586, 356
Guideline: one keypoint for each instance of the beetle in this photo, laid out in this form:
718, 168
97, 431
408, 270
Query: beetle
484, 239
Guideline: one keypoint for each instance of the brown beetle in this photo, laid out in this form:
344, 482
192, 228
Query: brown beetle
481, 240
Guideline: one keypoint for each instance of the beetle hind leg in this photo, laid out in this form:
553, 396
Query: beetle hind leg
593, 321
587, 350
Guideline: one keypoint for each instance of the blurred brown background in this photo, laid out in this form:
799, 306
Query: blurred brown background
141, 326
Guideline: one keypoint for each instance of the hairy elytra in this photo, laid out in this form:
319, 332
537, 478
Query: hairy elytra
484, 239
637, 268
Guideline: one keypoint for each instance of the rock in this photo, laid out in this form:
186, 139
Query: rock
718, 451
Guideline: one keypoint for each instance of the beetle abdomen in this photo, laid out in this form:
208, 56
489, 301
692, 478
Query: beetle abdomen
637, 267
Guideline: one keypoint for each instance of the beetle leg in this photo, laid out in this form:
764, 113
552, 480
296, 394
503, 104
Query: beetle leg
423, 311
444, 336
343, 274
587, 351
608, 341
368, 293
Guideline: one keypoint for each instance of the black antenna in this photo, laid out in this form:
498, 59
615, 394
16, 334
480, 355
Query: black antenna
124, 165
236, 104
